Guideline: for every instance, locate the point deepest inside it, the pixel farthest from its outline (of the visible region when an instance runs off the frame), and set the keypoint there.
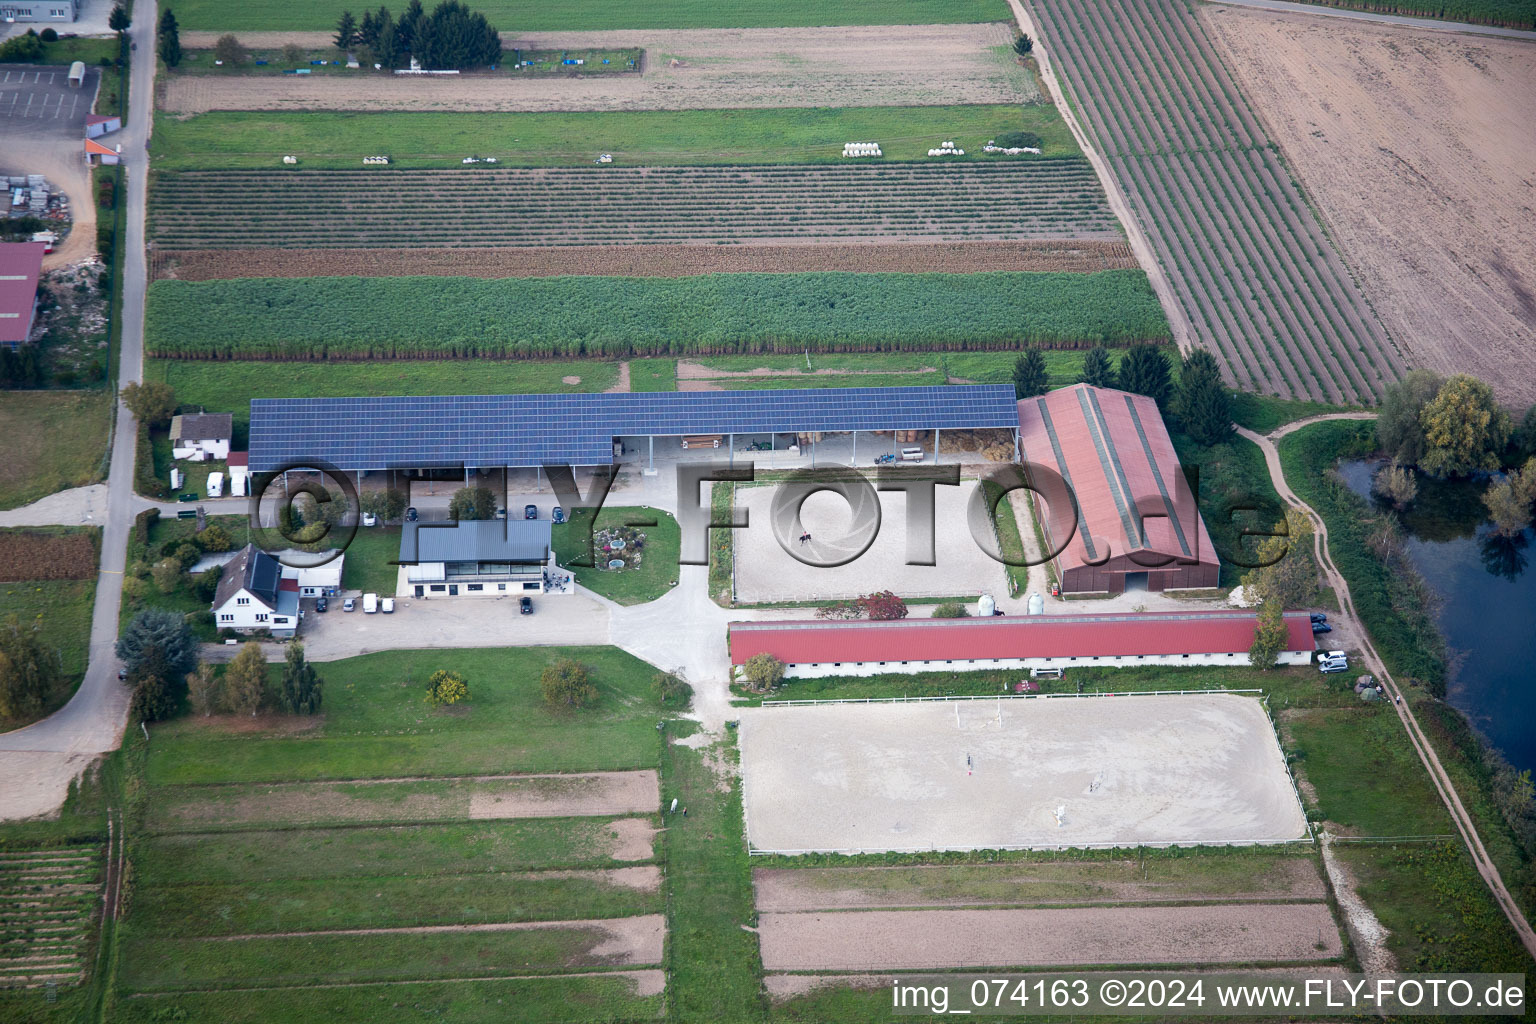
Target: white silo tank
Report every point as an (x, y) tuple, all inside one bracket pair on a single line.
[(1036, 603), (985, 607)]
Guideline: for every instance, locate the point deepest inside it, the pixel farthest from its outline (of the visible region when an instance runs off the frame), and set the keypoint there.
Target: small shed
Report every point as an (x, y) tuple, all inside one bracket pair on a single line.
[(97, 125), (96, 153), (77, 74)]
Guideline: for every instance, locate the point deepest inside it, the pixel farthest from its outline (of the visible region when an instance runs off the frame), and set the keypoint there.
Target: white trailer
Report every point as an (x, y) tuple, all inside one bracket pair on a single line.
[(215, 485)]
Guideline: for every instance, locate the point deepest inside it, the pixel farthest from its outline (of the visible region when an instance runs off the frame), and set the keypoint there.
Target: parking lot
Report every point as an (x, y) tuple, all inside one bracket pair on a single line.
[(39, 102)]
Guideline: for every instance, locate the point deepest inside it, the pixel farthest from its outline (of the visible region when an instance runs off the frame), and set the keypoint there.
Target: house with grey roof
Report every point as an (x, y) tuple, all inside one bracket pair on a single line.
[(200, 436), (489, 558), (253, 594)]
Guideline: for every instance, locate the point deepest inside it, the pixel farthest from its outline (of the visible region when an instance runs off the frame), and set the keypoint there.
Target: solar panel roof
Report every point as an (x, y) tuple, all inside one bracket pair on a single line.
[(532, 430)]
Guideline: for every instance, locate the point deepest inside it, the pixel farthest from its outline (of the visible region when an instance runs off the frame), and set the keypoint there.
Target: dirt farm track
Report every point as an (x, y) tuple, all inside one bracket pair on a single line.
[(1416, 146), (899, 65)]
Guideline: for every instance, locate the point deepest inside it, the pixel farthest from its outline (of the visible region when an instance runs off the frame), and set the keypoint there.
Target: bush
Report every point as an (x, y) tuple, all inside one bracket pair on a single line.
[(763, 672), (448, 688), (567, 685), (48, 35), (141, 524), (214, 538), (104, 240), (206, 585), (951, 610), (1018, 140), (671, 690), (22, 49)]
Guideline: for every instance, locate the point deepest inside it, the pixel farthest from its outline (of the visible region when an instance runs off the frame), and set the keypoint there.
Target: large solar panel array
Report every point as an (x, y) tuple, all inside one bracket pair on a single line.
[(484, 431)]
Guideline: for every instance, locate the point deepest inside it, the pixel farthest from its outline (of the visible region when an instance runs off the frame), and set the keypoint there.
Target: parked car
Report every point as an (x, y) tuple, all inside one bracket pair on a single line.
[(349, 605), (187, 497), (122, 674), (321, 604), (530, 511), (369, 519), (557, 514), (1332, 655), (410, 514), (1319, 628), (525, 605), (501, 513), (1319, 617), (387, 605), (370, 603), (1328, 668)]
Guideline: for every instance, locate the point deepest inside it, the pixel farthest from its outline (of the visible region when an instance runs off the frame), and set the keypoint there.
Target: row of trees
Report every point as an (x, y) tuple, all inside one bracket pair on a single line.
[(159, 654), (1200, 400), (31, 673), (452, 36)]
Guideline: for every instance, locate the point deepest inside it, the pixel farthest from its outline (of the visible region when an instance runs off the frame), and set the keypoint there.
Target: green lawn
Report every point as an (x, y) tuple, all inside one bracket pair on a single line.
[(224, 139), (1263, 413), (376, 724), (654, 576), (546, 63), (513, 16), (885, 368), (370, 559), (229, 386), (653, 374), (1367, 776), (83, 48), (53, 440), (62, 610)]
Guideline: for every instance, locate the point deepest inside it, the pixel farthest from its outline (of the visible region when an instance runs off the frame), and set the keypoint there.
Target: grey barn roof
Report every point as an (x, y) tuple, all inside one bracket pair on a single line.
[(524, 541), (483, 431)]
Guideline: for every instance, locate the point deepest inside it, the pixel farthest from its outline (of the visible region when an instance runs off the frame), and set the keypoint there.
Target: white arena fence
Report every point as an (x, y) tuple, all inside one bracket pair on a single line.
[(999, 696)]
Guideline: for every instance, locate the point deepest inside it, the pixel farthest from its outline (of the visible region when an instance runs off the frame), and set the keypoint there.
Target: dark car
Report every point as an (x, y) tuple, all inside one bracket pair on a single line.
[(1319, 628), (557, 514), (530, 511), (1319, 617), (525, 605), (410, 514), (322, 604), (187, 497)]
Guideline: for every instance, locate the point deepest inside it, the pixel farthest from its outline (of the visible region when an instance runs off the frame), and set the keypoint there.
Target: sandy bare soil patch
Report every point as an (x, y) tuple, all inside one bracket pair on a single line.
[(1031, 883), (1076, 256), (1124, 770), (924, 939), (631, 839), (484, 798), (788, 986), (1416, 146), (689, 370), (687, 69)]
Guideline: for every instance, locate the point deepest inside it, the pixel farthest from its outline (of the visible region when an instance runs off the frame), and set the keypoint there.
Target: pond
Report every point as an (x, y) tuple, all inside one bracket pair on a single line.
[(1487, 595)]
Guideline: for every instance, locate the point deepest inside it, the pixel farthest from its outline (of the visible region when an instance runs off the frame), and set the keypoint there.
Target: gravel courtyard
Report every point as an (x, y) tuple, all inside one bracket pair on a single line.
[(1128, 770), (765, 572)]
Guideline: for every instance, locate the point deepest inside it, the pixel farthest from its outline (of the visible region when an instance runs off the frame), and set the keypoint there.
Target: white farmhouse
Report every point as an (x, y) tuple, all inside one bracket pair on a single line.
[(201, 436), (253, 594)]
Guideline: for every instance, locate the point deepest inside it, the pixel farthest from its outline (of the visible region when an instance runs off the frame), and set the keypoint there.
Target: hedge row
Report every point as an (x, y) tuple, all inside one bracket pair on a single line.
[(439, 317)]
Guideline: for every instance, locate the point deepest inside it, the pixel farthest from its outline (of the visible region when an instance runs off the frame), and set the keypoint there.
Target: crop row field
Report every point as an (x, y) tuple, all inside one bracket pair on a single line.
[(604, 206), (349, 318), (328, 887), (1080, 255), (443, 138), (513, 16), (47, 901), (1249, 262)]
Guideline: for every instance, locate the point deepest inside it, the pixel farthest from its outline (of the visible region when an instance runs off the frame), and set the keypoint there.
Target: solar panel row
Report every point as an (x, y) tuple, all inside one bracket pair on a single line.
[(530, 430)]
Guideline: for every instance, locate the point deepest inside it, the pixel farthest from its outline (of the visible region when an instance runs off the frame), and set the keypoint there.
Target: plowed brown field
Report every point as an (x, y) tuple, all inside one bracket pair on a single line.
[(685, 69), (1076, 256), (1417, 147)]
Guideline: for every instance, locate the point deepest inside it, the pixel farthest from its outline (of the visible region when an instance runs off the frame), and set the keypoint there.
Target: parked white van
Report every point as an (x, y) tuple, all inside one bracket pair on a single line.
[(370, 603), (215, 485)]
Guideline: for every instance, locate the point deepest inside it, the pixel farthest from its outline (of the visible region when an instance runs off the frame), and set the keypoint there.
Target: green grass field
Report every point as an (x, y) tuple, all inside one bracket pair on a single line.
[(653, 577), (62, 610), (369, 564), (513, 16), (377, 724), (351, 318), (653, 375), (225, 139), (53, 440)]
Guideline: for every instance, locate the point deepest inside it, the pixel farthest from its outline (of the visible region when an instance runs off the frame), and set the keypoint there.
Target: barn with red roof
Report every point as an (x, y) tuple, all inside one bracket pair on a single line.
[(21, 264), (861, 648), (1138, 525)]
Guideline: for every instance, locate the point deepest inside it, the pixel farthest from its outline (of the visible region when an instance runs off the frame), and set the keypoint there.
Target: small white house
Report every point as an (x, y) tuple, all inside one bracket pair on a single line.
[(201, 436), (97, 125), (253, 594)]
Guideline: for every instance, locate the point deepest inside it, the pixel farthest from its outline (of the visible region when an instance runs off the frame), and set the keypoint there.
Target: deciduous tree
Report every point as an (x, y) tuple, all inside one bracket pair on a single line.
[(567, 685), (1269, 636), (151, 402), (1465, 429), (167, 575), (1509, 500), (470, 503), (1397, 484), (883, 605), (245, 680), (229, 50), (292, 54), (1290, 580), (30, 671), (157, 687), (204, 690), (763, 672), (1398, 430), (671, 690), (446, 687)]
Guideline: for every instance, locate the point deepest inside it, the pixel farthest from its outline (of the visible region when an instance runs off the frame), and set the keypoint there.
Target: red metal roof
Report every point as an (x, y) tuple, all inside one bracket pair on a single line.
[(289, 583), (1114, 450), (96, 148), (20, 265), (238, 459), (1035, 636)]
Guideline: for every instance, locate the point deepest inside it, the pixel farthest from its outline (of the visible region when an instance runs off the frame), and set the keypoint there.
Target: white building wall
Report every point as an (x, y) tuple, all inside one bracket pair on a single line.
[(819, 670), (243, 616)]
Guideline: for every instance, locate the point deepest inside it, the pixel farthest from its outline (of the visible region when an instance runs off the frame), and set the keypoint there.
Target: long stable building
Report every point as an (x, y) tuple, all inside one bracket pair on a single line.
[(819, 648), (520, 431), (1138, 526)]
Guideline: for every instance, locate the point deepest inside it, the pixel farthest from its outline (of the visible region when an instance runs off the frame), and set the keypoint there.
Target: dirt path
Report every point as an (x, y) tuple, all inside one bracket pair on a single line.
[(685, 69), (1431, 761), (622, 385), (1402, 136), (1183, 332), (626, 940), (1365, 929), (934, 939)]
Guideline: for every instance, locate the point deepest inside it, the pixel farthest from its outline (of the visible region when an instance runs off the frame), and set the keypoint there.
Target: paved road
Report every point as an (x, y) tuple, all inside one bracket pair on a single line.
[(46, 756), (1432, 24), (1426, 752)]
